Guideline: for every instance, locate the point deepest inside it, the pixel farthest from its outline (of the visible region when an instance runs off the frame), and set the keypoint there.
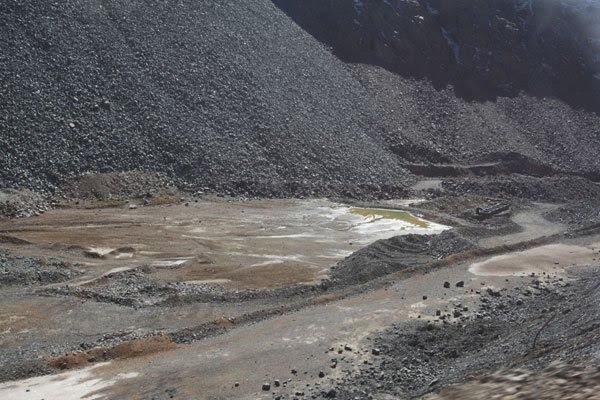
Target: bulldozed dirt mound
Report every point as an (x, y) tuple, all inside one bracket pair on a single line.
[(118, 186), (21, 203), (25, 271), (134, 348), (401, 252)]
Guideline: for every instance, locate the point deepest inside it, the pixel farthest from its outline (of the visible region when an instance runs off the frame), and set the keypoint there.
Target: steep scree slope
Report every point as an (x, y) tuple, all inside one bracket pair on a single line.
[(227, 95), (238, 98), (470, 81), (417, 116)]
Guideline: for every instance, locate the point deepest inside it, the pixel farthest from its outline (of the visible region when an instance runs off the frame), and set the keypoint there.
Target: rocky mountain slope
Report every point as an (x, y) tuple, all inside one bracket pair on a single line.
[(240, 99), (473, 81), (230, 96)]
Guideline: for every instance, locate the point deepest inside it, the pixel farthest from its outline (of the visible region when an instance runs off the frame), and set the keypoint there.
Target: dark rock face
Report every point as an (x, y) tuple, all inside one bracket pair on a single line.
[(399, 35), (485, 48)]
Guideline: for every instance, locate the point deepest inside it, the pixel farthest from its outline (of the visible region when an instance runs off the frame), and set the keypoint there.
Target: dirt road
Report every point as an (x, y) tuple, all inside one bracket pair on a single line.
[(306, 347), (269, 350)]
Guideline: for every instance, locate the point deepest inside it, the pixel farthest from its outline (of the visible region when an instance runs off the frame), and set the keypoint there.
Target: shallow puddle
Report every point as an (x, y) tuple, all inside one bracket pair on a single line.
[(378, 213)]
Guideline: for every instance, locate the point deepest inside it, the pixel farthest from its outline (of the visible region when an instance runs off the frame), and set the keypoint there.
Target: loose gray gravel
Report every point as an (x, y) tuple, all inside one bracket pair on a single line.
[(27, 271), (224, 95), (235, 98), (527, 327)]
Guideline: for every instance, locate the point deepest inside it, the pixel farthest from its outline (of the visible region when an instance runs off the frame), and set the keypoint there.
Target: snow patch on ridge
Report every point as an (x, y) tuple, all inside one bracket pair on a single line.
[(452, 43), (359, 6)]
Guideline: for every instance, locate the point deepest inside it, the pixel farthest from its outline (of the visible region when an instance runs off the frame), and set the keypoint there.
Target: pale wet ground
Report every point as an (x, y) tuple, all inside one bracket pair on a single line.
[(255, 244), (71, 385), (550, 259)]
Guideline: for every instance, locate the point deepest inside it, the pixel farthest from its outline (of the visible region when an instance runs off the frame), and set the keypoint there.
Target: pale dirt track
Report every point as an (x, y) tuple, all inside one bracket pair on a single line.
[(269, 350)]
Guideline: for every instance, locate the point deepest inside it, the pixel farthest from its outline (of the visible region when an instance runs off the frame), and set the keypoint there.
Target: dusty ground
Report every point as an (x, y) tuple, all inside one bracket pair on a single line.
[(268, 351), (220, 263), (152, 259), (255, 244)]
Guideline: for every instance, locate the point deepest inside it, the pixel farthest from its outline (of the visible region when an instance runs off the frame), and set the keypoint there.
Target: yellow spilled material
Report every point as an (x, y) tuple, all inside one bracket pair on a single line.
[(376, 213)]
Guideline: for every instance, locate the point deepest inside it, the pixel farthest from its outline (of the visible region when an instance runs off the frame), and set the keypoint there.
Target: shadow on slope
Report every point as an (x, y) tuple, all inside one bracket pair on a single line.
[(484, 49)]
